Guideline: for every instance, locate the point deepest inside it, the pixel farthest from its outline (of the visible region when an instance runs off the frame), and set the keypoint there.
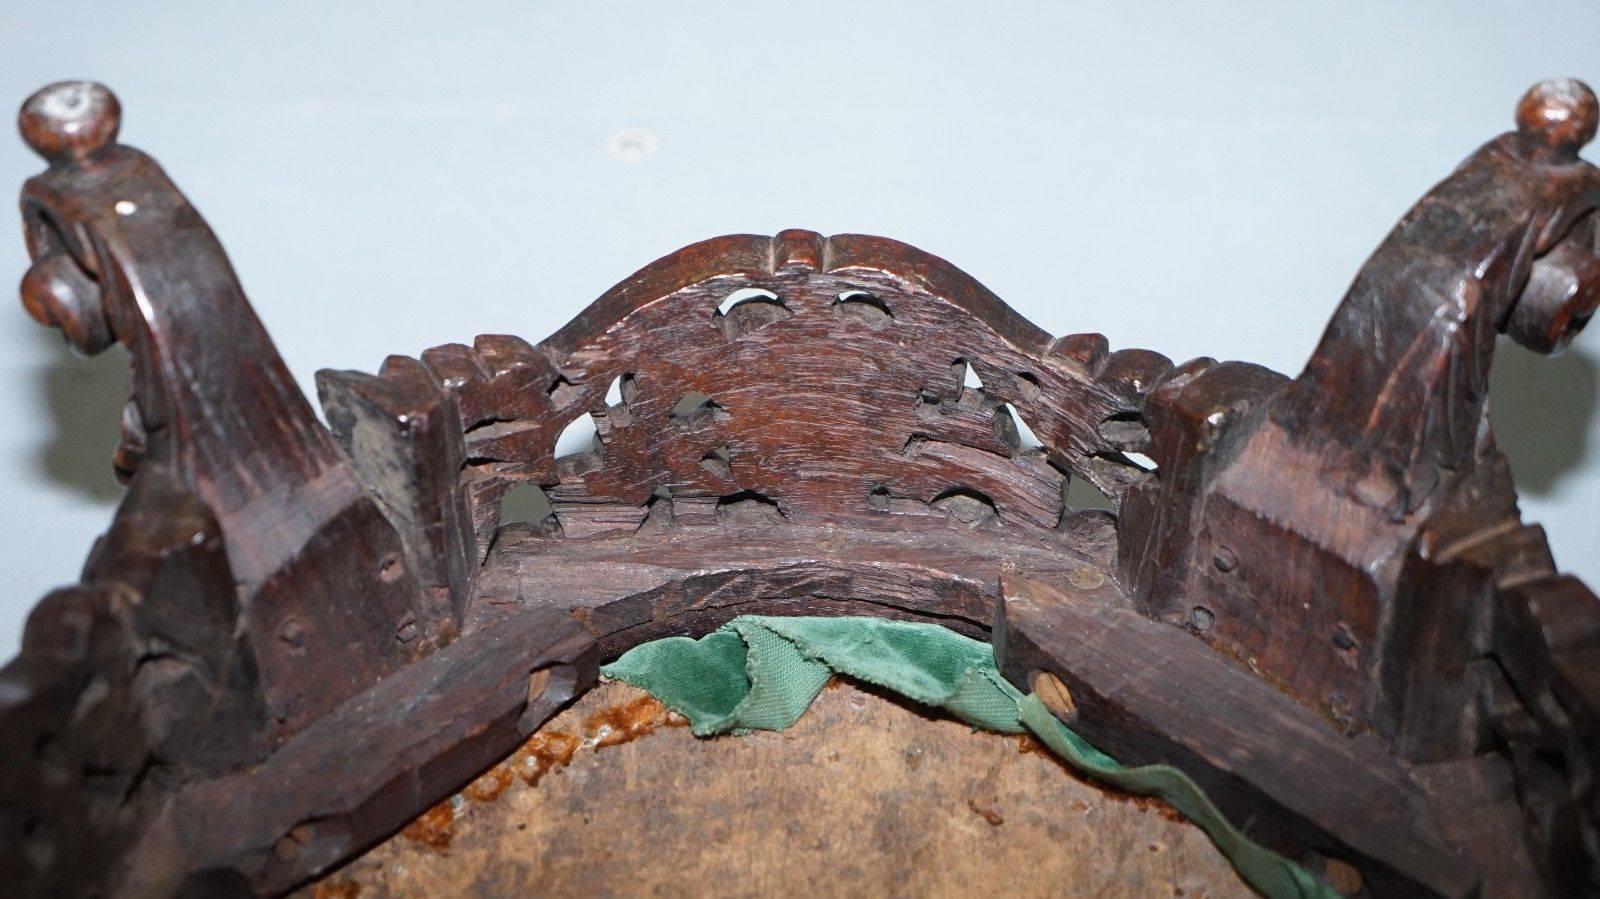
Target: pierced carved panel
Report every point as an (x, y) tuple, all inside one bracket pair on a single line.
[(795, 376)]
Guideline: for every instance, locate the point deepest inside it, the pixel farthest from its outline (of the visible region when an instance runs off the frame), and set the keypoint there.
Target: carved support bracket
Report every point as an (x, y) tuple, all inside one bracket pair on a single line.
[(249, 583), (1364, 501)]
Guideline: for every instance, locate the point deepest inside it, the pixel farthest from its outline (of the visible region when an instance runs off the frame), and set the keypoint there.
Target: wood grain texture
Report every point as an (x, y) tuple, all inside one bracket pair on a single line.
[(1322, 601), (1146, 693), (212, 622), (363, 770), (820, 376), (1365, 500)]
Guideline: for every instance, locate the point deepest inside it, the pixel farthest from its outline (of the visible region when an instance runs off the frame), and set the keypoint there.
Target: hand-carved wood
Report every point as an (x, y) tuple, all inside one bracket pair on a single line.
[(209, 625), (820, 377), (214, 408), (1365, 500), (1322, 603)]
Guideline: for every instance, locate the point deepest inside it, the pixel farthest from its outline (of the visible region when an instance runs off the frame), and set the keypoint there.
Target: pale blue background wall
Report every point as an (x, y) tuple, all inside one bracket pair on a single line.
[(1200, 179)]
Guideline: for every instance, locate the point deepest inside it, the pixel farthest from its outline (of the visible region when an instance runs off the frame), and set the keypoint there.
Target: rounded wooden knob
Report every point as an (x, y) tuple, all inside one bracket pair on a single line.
[(1561, 296), (70, 120), (1561, 112), (58, 294)]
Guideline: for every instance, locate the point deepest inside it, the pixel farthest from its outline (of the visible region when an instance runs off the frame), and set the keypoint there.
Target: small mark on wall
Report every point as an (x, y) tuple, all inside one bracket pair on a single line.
[(632, 145)]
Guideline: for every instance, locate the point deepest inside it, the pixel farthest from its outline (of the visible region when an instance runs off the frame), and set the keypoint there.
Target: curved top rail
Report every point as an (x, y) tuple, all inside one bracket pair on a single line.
[(821, 377)]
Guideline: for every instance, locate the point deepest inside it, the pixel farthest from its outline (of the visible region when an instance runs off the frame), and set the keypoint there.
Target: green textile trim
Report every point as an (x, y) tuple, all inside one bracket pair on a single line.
[(762, 673)]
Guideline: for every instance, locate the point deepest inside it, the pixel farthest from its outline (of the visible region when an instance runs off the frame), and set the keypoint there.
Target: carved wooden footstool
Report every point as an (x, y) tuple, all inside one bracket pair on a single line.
[(1314, 595)]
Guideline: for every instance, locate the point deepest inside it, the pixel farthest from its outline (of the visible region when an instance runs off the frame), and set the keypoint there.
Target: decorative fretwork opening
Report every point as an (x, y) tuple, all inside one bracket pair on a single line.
[(581, 435), (717, 462), (1026, 440), (563, 392), (864, 307), (878, 499), (972, 508), (965, 377), (1081, 495), (747, 310), (527, 503), (658, 513), (618, 411), (695, 406), (750, 507)]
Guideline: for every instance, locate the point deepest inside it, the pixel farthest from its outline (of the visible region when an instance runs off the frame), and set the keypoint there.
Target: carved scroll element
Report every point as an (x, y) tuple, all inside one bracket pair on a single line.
[(1353, 534), (248, 584)]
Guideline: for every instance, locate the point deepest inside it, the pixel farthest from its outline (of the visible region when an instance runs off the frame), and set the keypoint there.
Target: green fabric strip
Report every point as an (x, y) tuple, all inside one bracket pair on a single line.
[(762, 673)]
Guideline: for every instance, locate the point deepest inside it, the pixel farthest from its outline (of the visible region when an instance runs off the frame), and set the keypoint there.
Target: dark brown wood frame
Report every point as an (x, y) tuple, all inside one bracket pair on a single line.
[(1320, 602)]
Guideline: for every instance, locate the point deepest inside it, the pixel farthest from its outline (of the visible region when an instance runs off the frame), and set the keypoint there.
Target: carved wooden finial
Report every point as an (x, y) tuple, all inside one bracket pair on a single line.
[(1561, 112), (70, 120)]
